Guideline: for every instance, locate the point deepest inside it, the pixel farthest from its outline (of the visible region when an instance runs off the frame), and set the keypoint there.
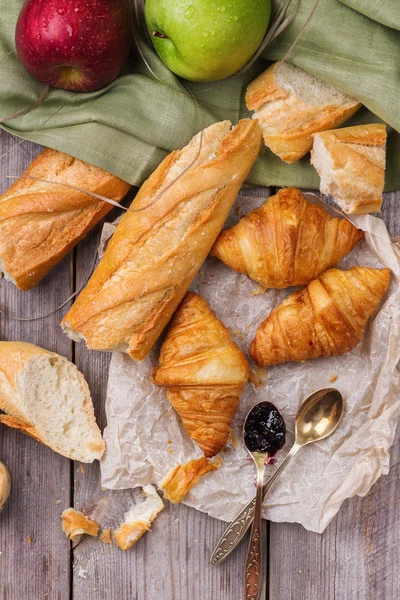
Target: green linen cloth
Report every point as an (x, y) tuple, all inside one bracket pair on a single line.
[(129, 126)]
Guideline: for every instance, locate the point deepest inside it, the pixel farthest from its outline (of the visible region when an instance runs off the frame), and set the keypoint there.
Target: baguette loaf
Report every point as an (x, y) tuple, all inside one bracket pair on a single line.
[(154, 255), (45, 396), (40, 223), (351, 165), (291, 105)]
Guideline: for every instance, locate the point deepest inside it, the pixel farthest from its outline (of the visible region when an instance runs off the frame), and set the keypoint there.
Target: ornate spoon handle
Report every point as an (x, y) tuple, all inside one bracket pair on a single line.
[(237, 528), (254, 561)]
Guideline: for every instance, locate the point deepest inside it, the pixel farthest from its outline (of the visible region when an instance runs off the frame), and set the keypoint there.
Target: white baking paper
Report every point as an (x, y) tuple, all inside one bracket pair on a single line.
[(144, 436)]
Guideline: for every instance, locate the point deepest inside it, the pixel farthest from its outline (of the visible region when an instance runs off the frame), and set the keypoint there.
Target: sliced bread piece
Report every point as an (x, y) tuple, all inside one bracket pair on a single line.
[(351, 165), (291, 105), (45, 396)]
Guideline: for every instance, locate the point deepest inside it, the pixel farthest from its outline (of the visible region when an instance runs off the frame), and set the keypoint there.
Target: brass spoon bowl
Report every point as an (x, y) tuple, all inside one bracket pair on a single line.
[(318, 417)]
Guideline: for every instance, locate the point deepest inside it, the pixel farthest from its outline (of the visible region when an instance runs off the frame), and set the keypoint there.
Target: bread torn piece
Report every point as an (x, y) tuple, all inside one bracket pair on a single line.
[(75, 525), (106, 536), (138, 520), (180, 479)]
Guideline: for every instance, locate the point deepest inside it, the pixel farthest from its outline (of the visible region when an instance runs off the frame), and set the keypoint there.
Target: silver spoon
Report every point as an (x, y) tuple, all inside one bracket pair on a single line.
[(264, 434), (318, 417)]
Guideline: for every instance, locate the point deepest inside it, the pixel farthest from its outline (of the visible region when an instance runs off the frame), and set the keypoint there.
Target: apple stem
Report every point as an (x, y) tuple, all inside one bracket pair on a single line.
[(159, 35)]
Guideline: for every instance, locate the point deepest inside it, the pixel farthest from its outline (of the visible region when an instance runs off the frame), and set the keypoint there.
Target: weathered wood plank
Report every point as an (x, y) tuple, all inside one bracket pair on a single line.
[(357, 556), (173, 560), (34, 554)]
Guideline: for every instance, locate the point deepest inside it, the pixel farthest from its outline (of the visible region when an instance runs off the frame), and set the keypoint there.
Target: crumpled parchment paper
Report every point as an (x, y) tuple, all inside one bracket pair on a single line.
[(144, 436)]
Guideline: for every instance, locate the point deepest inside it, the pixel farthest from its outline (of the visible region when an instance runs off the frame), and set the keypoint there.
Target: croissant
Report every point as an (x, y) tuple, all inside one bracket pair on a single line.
[(287, 241), (204, 372), (155, 253), (326, 318)]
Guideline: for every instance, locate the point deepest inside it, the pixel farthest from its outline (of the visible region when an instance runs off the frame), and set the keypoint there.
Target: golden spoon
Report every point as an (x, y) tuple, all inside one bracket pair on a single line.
[(318, 417)]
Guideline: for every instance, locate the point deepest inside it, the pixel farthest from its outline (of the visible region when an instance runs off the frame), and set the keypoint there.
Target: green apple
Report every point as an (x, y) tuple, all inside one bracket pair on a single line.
[(206, 40)]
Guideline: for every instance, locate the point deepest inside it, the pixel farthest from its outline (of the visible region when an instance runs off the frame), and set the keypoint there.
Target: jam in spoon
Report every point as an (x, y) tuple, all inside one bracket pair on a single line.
[(264, 434)]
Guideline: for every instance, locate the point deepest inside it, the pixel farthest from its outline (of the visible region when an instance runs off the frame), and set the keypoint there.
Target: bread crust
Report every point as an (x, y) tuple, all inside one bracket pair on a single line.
[(180, 479), (292, 139), (146, 271), (41, 223), (357, 174)]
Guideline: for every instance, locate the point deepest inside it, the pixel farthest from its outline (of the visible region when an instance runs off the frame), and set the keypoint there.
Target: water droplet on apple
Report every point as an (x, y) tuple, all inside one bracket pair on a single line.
[(51, 16), (212, 31), (222, 9), (205, 33), (38, 37), (189, 12), (61, 11), (69, 29), (235, 17)]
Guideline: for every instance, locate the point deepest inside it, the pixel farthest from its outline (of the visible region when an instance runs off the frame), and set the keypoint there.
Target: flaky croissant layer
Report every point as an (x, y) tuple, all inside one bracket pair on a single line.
[(287, 241), (204, 372), (326, 318)]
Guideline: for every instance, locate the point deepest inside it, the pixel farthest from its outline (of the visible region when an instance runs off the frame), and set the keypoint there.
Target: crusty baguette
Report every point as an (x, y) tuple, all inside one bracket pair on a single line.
[(351, 165), (40, 223), (45, 396), (291, 105), (154, 255)]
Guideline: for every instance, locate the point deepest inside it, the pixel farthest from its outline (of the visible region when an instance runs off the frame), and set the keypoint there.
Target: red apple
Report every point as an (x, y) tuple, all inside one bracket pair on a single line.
[(78, 45)]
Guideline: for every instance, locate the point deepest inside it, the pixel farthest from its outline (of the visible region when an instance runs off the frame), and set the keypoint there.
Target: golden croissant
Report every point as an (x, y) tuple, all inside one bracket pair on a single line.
[(204, 372), (326, 318), (287, 241)]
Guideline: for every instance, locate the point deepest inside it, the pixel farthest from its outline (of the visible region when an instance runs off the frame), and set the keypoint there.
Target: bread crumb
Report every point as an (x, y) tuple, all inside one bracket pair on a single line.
[(238, 334), (333, 377), (75, 525), (169, 442), (58, 501), (233, 439), (82, 573), (83, 469), (257, 375), (28, 539), (106, 536), (180, 479), (260, 289)]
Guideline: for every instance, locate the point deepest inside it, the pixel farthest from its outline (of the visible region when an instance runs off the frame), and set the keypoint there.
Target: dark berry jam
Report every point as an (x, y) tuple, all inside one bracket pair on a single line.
[(264, 430)]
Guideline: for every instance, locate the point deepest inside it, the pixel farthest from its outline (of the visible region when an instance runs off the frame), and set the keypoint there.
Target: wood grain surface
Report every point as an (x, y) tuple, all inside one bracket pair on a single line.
[(355, 559)]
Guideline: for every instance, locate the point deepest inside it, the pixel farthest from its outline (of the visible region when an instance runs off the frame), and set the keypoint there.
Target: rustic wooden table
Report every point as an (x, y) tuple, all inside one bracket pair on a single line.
[(357, 558)]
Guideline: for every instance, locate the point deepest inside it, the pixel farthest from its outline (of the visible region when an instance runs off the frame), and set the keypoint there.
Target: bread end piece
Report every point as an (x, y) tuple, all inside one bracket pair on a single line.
[(351, 165), (290, 105), (139, 519)]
